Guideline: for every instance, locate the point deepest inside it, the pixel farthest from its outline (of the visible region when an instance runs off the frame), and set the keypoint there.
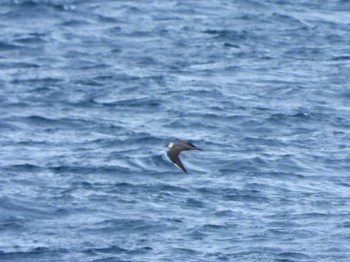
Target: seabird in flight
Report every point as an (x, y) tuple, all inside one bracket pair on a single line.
[(176, 148)]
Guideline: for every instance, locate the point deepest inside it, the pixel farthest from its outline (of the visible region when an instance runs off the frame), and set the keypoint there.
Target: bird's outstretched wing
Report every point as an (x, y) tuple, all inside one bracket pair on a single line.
[(187, 145), (174, 157)]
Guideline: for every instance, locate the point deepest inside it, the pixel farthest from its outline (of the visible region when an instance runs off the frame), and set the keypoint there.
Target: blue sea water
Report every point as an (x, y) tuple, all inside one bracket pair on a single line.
[(91, 91)]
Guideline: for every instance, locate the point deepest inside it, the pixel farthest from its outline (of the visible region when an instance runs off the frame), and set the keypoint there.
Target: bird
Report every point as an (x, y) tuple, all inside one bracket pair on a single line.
[(175, 148)]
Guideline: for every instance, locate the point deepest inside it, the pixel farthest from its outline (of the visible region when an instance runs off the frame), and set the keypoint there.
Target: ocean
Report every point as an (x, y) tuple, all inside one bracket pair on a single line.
[(92, 91)]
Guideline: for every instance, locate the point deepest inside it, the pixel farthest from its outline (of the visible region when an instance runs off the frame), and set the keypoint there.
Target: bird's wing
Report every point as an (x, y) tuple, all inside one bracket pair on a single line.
[(192, 146), (187, 145), (174, 157)]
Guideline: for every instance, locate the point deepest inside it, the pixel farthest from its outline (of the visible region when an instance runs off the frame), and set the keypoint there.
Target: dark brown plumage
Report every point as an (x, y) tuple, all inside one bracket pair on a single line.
[(175, 149)]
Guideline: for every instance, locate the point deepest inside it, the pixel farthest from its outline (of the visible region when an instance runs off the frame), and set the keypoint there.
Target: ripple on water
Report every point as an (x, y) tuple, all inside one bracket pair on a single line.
[(89, 99)]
